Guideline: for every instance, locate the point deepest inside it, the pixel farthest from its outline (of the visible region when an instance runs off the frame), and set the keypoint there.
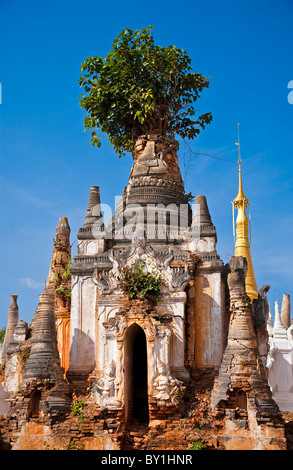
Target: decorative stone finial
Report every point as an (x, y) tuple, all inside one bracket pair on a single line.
[(94, 198), (63, 226), (93, 211), (203, 214)]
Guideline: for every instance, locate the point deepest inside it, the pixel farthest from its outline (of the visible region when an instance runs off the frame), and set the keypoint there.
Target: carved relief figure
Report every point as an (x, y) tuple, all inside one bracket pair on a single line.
[(165, 385), (104, 390)]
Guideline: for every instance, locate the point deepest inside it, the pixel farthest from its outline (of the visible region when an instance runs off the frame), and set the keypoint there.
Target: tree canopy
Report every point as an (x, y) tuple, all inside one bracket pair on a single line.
[(140, 88)]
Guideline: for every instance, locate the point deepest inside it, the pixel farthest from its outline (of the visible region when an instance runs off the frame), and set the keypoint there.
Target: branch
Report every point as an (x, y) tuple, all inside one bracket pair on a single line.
[(206, 154), (197, 154)]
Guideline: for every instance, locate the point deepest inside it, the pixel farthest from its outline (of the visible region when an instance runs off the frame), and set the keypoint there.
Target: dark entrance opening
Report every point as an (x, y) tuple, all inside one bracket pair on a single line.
[(34, 405), (241, 400), (136, 379)]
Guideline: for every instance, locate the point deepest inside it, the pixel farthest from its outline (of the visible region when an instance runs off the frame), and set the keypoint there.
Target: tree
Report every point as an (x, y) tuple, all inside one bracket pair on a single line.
[(139, 88), (2, 334)]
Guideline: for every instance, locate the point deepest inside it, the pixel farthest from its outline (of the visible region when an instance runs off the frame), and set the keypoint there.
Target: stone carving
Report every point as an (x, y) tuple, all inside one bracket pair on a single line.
[(236, 278), (165, 385), (180, 278), (102, 280), (164, 259), (158, 262), (104, 389), (156, 157)]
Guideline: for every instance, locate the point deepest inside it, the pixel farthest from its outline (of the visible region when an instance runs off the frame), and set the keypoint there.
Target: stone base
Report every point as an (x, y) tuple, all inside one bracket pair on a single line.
[(181, 374), (77, 377), (58, 403), (4, 407), (235, 442), (161, 411), (36, 436)]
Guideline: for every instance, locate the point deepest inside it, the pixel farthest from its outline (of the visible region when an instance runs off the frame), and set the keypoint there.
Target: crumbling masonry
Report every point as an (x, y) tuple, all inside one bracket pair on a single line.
[(93, 362)]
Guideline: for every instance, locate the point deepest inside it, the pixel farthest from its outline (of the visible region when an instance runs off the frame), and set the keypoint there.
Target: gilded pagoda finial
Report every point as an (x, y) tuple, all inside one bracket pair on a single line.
[(240, 198), (242, 245)]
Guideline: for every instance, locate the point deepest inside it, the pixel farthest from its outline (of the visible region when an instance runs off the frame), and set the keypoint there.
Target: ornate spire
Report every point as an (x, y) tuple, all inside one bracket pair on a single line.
[(61, 252), (63, 226), (202, 219), (279, 329), (240, 198), (93, 223), (242, 246)]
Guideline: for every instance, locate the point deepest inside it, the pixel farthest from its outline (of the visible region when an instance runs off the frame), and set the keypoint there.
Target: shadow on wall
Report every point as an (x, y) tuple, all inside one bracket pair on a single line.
[(4, 407), (82, 351), (211, 320), (280, 374)]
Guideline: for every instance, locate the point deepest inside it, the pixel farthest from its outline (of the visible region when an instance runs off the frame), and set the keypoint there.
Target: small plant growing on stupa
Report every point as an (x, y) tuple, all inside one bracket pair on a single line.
[(62, 281), (137, 283), (77, 410), (25, 355), (66, 272), (245, 299), (190, 198)]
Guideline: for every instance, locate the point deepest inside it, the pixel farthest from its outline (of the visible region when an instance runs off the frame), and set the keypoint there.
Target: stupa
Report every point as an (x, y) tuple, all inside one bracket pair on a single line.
[(112, 336)]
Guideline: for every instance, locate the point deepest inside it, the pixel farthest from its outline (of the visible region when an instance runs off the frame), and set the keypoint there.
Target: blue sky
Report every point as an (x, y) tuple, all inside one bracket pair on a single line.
[(48, 163)]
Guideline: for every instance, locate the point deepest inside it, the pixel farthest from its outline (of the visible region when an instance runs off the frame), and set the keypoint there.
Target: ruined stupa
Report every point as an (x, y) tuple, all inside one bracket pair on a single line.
[(136, 354), (248, 416), (171, 244)]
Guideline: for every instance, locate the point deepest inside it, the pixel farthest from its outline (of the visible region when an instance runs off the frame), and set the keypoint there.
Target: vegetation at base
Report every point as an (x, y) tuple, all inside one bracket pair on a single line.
[(197, 446), (77, 408), (140, 88)]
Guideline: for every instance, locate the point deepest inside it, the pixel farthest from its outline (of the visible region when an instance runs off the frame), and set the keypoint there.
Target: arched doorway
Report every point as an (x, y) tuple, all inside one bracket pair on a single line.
[(136, 377)]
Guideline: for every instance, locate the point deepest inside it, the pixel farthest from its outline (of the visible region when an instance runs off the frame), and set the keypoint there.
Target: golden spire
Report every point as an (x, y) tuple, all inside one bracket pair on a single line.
[(242, 246)]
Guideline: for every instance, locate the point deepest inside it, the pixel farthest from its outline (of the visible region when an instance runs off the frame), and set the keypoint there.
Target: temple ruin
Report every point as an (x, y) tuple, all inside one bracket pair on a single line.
[(130, 360)]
